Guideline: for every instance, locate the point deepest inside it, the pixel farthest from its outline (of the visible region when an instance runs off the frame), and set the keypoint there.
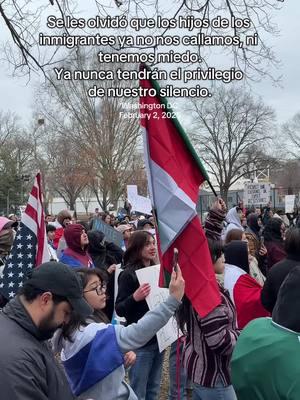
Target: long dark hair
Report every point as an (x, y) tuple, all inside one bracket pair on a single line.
[(76, 321), (272, 231), (136, 243)]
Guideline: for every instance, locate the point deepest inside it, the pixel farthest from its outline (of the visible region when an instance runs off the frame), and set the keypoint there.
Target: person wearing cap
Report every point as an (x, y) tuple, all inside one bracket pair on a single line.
[(50, 230), (126, 231), (29, 370), (76, 255), (145, 225)]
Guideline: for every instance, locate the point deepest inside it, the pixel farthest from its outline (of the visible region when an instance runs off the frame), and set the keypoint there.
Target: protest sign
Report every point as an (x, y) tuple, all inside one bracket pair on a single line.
[(169, 333), (138, 203), (111, 234), (289, 203), (256, 194), (116, 318)]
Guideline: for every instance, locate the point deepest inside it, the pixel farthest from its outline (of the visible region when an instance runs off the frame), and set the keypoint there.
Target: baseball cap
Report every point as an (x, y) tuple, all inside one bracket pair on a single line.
[(144, 222), (61, 280), (6, 223), (123, 228)]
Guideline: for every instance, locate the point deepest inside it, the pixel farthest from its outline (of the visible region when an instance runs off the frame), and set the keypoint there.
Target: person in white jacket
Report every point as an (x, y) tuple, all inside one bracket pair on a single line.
[(92, 351), (233, 219)]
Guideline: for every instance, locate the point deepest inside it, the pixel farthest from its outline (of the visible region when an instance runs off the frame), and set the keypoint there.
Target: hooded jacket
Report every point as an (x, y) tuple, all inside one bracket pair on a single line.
[(233, 221), (28, 367), (74, 255)]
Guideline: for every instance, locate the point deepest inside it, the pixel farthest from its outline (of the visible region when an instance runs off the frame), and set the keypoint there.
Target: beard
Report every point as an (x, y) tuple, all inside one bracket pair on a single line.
[(47, 326)]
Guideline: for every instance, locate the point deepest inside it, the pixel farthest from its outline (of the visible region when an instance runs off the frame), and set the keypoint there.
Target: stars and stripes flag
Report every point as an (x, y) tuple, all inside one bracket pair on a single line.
[(175, 174), (29, 249)]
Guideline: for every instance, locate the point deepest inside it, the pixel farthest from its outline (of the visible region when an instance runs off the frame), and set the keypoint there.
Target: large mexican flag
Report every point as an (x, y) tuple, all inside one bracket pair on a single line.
[(175, 174)]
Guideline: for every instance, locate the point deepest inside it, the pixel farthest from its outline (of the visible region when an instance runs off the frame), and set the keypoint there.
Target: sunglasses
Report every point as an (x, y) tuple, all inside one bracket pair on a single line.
[(99, 289)]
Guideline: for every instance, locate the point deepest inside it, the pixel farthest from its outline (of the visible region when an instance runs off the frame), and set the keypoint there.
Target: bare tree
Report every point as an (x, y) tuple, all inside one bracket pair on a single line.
[(97, 127), (85, 197), (23, 21), (231, 131), (287, 176), (292, 130), (68, 176)]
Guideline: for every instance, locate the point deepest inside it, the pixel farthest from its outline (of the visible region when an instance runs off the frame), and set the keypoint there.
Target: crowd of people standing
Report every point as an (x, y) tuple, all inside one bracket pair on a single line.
[(223, 355)]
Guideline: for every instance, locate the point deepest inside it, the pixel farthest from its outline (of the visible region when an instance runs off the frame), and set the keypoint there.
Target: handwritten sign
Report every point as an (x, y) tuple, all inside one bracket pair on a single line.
[(256, 194), (169, 333), (138, 203), (111, 234), (289, 203)]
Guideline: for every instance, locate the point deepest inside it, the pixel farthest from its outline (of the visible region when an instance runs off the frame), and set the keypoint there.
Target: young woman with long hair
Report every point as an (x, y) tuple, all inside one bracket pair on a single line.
[(92, 351), (145, 375)]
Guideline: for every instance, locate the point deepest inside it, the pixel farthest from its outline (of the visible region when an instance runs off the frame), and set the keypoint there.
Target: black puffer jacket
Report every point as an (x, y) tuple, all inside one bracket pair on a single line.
[(105, 254), (28, 368), (275, 277)]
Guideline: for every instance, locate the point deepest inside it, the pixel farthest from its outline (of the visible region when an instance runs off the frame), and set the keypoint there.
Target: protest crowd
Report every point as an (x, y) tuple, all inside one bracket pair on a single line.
[(70, 332)]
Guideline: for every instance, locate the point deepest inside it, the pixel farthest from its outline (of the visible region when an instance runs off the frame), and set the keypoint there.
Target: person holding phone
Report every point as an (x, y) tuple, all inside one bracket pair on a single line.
[(145, 375)]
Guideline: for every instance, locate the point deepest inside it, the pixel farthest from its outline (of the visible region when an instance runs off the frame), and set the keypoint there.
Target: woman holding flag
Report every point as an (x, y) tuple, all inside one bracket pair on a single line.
[(92, 351)]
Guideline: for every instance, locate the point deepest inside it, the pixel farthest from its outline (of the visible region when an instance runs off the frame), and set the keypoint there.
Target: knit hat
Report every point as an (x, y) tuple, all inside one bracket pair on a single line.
[(6, 223), (123, 228), (62, 215)]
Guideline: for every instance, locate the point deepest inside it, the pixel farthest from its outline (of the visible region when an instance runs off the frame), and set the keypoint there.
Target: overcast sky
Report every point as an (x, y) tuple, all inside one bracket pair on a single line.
[(17, 93)]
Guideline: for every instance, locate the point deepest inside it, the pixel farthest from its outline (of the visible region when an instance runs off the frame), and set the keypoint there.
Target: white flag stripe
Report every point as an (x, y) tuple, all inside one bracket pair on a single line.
[(231, 276), (28, 221)]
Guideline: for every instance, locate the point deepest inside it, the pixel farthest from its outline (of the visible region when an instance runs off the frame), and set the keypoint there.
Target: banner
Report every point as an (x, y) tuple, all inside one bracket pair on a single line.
[(257, 194), (289, 203), (111, 234), (138, 203)]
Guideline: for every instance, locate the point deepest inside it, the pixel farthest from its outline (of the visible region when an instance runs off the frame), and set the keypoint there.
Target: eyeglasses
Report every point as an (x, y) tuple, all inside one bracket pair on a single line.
[(99, 289)]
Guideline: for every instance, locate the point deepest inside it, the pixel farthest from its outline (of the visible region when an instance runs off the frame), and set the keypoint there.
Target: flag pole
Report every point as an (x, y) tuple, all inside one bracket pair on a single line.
[(212, 188)]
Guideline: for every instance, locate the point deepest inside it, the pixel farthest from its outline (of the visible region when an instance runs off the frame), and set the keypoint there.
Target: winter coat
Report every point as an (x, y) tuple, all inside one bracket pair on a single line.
[(105, 254), (275, 277), (28, 367), (125, 305)]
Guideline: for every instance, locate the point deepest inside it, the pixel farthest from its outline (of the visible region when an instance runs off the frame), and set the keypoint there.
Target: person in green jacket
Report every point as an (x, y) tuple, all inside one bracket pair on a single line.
[(265, 363)]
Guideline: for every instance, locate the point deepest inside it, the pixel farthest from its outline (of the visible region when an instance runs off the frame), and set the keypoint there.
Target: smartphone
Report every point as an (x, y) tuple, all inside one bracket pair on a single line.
[(175, 259), (262, 240)]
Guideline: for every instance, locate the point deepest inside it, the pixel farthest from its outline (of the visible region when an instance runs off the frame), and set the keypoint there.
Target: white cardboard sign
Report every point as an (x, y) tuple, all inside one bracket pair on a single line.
[(169, 333), (289, 203), (138, 203), (256, 194)]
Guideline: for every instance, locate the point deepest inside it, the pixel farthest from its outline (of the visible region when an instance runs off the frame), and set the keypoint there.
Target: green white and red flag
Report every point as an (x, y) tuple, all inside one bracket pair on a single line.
[(175, 174)]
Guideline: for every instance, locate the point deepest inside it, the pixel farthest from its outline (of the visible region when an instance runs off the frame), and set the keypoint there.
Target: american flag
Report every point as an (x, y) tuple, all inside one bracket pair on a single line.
[(30, 245)]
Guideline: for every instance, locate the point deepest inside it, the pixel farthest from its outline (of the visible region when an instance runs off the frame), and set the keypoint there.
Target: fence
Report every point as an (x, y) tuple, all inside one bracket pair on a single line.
[(277, 199)]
